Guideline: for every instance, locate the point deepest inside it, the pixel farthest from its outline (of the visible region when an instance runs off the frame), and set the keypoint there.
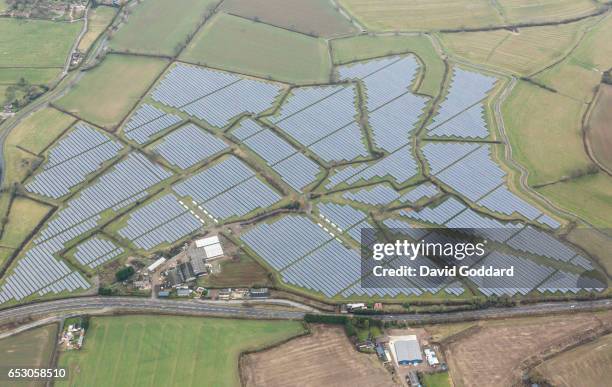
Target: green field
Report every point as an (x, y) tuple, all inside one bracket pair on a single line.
[(313, 17), (162, 351), (35, 43), (99, 18), (371, 46), (590, 197), (523, 53), (38, 130), (580, 73), (107, 93), (421, 15), (160, 26), (544, 131), (440, 379), (10, 76), (32, 348), (24, 215), (240, 45), (529, 11)]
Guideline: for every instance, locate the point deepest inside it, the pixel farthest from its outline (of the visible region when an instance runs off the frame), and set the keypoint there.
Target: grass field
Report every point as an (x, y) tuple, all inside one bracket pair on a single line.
[(107, 93), (370, 46), (441, 379), (24, 215), (544, 131), (248, 47), (99, 18), (160, 26), (313, 17), (18, 164), (422, 14), (524, 53), (35, 43), (590, 197), (32, 348), (10, 76), (186, 351), (586, 365), (600, 127), (527, 11), (38, 130), (324, 358), (580, 73)]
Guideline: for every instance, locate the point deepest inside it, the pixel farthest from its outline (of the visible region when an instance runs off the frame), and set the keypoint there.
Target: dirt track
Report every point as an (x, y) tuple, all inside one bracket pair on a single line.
[(324, 358)]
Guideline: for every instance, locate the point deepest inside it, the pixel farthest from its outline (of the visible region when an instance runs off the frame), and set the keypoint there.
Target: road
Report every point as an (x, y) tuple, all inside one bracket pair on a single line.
[(141, 305), (98, 305), (490, 313)]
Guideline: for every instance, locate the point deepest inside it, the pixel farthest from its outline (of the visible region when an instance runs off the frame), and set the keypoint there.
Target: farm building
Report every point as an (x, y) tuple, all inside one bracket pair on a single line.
[(156, 264), (260, 293), (407, 351), (181, 274)]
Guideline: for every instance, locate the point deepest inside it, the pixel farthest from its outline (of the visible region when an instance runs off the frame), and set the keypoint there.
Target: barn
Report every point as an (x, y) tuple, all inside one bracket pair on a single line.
[(408, 351)]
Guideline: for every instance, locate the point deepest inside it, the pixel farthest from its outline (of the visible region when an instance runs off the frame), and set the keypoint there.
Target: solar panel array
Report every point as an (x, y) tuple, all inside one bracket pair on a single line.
[(399, 165), (527, 275), (425, 190), (213, 96), (285, 240), (80, 153), (377, 195), (298, 171), (320, 119), (393, 123), (383, 79), (548, 221), (293, 167), (328, 269), (148, 121), (343, 174), (466, 89), (302, 97), (226, 189), (128, 178), (470, 170), (345, 144), (439, 214), (340, 216), (189, 145), (564, 282), (538, 242), (164, 220), (470, 123), (96, 251)]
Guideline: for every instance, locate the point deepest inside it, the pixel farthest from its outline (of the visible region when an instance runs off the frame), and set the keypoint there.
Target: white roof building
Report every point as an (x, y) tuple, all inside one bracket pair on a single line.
[(156, 264)]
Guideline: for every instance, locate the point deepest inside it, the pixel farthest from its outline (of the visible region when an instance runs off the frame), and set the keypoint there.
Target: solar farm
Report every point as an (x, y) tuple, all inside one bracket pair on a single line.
[(210, 148)]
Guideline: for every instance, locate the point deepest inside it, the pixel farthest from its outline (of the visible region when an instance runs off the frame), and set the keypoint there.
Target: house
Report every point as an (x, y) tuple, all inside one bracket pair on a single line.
[(163, 294)]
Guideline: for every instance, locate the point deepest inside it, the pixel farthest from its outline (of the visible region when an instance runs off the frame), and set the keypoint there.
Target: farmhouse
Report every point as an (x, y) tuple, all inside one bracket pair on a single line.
[(407, 350)]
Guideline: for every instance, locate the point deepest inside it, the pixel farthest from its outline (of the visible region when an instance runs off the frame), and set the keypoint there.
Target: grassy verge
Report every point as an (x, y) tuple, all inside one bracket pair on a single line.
[(168, 350), (258, 49), (440, 379)]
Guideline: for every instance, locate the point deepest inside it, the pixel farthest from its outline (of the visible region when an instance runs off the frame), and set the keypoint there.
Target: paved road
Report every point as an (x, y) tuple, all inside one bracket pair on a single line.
[(146, 305)]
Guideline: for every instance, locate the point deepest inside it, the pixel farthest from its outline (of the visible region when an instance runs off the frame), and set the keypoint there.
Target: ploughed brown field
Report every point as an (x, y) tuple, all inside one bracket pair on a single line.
[(600, 127), (323, 358), (492, 354)]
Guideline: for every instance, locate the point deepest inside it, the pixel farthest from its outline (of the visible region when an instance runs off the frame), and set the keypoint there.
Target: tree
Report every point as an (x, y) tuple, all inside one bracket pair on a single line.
[(124, 273)]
